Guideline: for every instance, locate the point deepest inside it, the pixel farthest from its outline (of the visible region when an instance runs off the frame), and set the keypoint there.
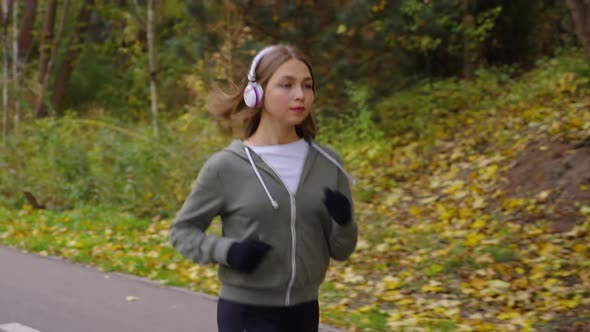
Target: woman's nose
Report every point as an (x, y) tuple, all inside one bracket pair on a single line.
[(299, 92)]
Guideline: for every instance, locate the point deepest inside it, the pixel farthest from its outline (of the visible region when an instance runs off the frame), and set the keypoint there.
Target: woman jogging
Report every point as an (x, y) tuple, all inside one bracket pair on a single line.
[(284, 202)]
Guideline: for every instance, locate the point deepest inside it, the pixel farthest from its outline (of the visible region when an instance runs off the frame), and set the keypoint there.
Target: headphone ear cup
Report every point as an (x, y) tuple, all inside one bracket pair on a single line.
[(253, 94)]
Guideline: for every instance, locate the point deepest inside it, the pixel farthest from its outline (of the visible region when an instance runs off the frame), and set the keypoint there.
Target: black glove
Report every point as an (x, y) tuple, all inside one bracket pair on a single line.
[(338, 206), (245, 256)]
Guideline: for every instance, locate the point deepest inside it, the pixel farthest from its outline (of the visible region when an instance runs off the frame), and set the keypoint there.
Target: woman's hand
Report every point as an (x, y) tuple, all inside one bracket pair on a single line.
[(246, 255), (338, 206)]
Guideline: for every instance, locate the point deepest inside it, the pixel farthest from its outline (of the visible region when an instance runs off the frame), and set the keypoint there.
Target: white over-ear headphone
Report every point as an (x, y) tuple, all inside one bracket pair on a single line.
[(253, 92)]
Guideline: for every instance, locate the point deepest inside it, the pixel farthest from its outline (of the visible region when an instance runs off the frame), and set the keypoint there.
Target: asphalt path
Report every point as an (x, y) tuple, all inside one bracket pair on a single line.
[(46, 294)]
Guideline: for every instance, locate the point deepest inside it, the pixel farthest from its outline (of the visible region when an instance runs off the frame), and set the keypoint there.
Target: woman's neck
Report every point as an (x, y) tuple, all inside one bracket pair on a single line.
[(272, 135)]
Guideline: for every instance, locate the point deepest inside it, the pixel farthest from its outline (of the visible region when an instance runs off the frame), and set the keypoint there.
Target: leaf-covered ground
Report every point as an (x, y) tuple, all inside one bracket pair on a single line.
[(486, 227), (486, 230)]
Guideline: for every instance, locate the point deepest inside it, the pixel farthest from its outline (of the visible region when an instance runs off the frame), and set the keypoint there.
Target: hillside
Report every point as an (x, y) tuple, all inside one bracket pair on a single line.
[(483, 225)]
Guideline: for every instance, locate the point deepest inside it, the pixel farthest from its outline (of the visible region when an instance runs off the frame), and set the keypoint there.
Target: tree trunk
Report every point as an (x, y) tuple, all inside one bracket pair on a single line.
[(56, 42), (468, 48), (580, 10), (44, 56), (25, 35), (5, 15), (73, 50), (153, 89), (15, 65)]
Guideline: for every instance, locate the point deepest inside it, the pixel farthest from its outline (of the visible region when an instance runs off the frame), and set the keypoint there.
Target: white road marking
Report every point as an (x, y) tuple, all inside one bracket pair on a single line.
[(16, 327)]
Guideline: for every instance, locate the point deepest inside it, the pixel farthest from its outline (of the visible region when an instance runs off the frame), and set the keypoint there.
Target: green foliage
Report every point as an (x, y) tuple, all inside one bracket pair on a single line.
[(355, 125), (355, 130), (76, 161), (421, 112), (525, 30), (94, 80), (384, 45), (500, 254), (123, 89)]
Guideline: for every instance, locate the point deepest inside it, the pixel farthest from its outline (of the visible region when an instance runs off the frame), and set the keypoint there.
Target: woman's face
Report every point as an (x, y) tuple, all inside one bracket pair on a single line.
[(288, 95)]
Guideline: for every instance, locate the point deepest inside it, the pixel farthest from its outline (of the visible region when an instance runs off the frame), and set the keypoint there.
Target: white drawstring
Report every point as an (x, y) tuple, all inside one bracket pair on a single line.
[(274, 203), (335, 162)]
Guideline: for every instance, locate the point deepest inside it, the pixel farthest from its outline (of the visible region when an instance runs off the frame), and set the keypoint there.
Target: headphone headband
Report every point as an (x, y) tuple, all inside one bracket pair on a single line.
[(257, 58)]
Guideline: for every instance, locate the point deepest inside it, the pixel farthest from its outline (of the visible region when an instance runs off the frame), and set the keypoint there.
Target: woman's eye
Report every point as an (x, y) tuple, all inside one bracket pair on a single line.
[(286, 85), (308, 86)]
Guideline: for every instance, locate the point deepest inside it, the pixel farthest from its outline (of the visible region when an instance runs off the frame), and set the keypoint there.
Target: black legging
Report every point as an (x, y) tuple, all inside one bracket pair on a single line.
[(238, 317)]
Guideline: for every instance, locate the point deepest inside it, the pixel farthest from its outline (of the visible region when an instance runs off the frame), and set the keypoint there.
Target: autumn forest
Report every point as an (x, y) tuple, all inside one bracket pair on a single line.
[(466, 123)]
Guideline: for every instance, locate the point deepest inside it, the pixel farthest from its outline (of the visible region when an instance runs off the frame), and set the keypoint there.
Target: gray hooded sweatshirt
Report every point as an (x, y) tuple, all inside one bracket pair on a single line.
[(254, 202)]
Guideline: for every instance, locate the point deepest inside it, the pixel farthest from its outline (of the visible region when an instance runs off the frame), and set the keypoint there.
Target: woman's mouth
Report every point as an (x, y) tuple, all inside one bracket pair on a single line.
[(297, 109)]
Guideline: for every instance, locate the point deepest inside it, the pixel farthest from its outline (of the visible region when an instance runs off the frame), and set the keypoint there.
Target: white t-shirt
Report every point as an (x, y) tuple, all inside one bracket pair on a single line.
[(285, 159)]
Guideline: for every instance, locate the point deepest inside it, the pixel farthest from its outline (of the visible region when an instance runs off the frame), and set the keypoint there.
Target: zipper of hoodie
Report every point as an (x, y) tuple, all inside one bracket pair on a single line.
[(293, 234), (293, 248)]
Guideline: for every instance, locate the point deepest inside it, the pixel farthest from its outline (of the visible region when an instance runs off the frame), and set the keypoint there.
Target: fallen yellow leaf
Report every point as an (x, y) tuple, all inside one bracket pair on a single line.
[(498, 284), (543, 195), (433, 287), (580, 248), (415, 211)]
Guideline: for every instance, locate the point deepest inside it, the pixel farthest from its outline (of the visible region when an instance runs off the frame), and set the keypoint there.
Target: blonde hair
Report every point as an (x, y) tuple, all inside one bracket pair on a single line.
[(231, 110)]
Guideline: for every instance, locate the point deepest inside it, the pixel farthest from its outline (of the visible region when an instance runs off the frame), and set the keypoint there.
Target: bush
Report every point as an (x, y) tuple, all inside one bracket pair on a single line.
[(75, 162)]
